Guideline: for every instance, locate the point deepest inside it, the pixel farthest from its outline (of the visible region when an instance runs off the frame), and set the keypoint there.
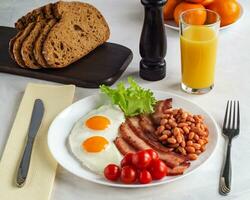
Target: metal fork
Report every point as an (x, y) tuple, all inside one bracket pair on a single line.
[(231, 128)]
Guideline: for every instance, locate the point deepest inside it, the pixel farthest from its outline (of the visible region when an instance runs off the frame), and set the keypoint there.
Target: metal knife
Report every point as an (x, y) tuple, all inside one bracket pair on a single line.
[(36, 119)]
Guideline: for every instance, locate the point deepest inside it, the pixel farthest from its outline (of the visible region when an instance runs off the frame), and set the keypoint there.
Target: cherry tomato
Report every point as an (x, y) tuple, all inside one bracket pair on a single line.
[(127, 160), (145, 176), (128, 174), (158, 169), (154, 155), (112, 172), (141, 159)]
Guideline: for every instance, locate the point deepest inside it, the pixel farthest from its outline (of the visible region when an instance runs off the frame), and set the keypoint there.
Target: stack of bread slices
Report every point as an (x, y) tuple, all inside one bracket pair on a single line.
[(56, 35)]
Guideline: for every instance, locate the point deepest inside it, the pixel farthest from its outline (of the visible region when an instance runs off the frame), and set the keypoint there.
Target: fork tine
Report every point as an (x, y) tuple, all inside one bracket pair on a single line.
[(234, 115), (225, 118), (230, 112), (238, 115)]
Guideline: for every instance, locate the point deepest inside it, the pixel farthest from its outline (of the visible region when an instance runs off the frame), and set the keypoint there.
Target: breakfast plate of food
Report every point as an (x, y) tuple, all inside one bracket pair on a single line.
[(132, 137)]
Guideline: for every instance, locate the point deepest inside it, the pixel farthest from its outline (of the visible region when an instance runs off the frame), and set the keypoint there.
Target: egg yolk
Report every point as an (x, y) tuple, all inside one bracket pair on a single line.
[(98, 123), (94, 144)]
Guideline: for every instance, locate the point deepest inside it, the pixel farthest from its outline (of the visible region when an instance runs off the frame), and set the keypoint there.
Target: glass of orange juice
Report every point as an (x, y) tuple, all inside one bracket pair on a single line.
[(198, 39)]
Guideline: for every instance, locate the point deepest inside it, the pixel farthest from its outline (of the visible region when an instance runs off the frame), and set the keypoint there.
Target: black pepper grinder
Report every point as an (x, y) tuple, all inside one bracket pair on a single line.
[(153, 42)]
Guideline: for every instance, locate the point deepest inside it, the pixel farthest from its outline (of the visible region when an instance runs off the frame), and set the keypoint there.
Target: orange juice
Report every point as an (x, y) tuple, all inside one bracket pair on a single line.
[(198, 56)]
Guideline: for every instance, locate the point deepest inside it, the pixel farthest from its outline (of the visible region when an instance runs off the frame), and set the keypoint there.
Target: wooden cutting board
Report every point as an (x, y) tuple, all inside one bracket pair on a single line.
[(104, 65)]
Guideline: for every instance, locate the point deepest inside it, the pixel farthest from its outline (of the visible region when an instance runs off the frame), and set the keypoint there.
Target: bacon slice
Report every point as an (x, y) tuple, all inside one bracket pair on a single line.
[(179, 170), (123, 146), (149, 138), (171, 159), (131, 138), (163, 105), (147, 124), (159, 110)]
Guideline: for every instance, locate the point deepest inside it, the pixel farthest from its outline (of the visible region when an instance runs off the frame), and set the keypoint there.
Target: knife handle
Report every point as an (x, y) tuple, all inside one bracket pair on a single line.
[(25, 163)]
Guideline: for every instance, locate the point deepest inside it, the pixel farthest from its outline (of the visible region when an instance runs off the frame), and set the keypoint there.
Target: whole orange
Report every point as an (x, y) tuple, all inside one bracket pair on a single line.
[(168, 10), (229, 10), (197, 18)]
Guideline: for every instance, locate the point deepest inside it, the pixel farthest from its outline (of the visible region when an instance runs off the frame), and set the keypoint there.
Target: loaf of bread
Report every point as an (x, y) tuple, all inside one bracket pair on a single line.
[(56, 35)]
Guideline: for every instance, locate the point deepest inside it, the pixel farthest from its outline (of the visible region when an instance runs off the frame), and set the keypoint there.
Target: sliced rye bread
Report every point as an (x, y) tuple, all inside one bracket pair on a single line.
[(11, 44), (28, 46), (39, 43), (81, 29), (44, 12), (18, 44)]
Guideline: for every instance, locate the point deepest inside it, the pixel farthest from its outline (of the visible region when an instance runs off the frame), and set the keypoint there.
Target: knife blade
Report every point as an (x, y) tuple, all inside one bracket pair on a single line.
[(36, 119)]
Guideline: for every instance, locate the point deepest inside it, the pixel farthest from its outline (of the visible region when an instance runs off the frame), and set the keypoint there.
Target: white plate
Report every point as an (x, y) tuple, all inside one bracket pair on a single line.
[(172, 25), (63, 123)]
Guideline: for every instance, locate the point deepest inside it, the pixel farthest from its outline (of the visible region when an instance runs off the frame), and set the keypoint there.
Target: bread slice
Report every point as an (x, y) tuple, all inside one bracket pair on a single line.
[(11, 44), (28, 46), (44, 12), (17, 45), (48, 11), (81, 29), (39, 43)]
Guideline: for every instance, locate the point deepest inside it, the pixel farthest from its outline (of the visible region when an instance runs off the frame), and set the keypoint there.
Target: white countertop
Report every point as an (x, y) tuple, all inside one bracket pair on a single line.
[(232, 82)]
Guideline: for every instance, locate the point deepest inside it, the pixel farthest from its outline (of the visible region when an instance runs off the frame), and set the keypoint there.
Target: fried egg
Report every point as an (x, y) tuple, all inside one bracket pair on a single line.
[(91, 139)]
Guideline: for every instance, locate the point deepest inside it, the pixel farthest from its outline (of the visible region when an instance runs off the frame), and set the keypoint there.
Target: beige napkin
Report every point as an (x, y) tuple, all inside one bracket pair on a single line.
[(42, 170)]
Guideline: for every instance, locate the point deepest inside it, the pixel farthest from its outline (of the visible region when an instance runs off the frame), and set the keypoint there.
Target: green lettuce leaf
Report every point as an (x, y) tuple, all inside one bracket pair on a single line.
[(133, 100)]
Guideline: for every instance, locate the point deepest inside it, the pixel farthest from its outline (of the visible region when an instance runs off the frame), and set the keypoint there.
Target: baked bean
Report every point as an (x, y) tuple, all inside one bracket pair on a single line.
[(160, 129), (185, 129), (190, 118), (172, 123), (202, 127), (192, 156), (163, 137), (201, 117), (171, 140), (167, 132), (196, 146), (182, 124), (198, 152), (176, 131), (183, 143), (182, 132), (196, 137), (163, 121), (201, 142), (198, 125), (191, 135), (179, 138), (184, 115), (201, 133), (167, 126), (182, 151), (203, 148), (197, 119), (195, 129), (190, 149), (189, 143)]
